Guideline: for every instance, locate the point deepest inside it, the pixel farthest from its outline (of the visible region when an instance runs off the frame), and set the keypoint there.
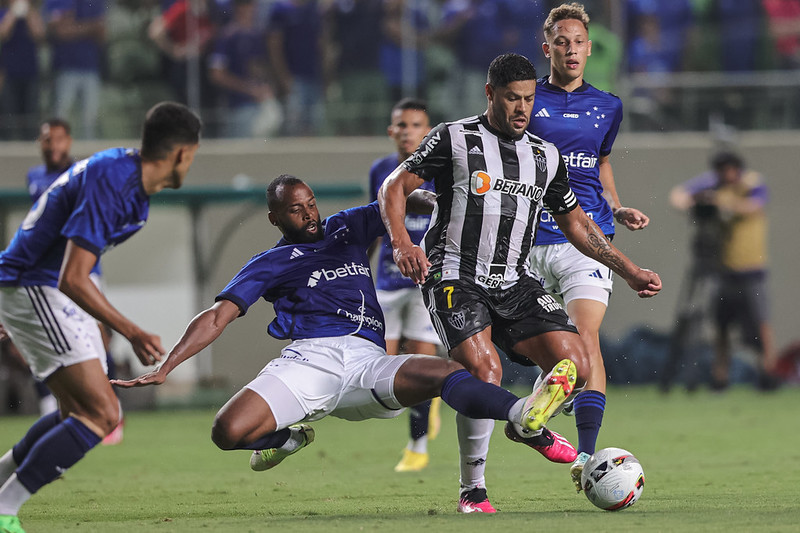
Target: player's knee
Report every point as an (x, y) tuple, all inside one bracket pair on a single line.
[(105, 417), (224, 433)]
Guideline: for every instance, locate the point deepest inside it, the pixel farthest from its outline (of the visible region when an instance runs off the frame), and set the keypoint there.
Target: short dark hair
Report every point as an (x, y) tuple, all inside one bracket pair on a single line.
[(56, 122), (167, 124), (284, 180), (726, 159), (410, 103), (508, 68)]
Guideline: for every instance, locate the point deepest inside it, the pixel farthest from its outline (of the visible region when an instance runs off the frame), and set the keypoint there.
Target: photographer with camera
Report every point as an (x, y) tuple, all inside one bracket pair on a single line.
[(726, 282)]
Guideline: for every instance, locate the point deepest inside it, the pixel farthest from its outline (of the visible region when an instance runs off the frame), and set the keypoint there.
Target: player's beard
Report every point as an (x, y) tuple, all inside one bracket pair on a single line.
[(303, 235)]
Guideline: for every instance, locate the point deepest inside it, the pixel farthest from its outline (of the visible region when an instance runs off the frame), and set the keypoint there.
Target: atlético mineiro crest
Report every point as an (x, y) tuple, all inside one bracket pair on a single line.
[(457, 320)]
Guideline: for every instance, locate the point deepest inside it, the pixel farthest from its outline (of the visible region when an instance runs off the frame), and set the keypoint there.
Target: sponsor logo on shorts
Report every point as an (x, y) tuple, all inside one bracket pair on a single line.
[(548, 303), (344, 271), (457, 320)]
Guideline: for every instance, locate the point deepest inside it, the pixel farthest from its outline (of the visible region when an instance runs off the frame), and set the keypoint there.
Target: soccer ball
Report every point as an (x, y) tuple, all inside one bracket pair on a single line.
[(612, 479)]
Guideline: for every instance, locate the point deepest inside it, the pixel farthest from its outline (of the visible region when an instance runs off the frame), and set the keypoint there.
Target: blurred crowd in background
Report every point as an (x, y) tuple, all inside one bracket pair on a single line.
[(261, 68)]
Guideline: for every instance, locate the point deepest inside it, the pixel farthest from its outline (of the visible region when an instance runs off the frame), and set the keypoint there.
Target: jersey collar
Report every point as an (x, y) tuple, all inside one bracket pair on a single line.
[(545, 81)]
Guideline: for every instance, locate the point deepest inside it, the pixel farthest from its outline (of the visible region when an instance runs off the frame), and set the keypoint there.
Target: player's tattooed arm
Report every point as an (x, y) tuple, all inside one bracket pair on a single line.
[(587, 237), (605, 252)]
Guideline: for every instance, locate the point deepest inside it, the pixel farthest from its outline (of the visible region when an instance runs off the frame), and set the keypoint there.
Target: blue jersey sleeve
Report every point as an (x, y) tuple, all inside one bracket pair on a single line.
[(96, 212), (613, 130), (251, 283), (364, 222)]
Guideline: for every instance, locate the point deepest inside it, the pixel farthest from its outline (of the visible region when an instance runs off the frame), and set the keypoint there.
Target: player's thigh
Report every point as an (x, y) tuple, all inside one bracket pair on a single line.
[(304, 383), (368, 389), (49, 330), (547, 349)]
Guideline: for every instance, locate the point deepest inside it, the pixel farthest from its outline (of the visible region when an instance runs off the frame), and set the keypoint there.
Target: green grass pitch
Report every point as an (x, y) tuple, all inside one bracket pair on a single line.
[(712, 462)]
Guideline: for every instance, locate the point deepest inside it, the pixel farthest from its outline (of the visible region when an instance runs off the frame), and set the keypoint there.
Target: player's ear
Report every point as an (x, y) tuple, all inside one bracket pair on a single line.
[(272, 219), (489, 92), (589, 51), (546, 49)]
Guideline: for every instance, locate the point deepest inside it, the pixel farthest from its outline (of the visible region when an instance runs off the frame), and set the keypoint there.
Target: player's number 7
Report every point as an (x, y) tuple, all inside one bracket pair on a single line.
[(449, 292)]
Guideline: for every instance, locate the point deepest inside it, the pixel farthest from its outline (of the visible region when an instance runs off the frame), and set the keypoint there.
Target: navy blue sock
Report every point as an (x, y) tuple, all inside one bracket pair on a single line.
[(271, 440), (589, 407), (35, 432), (476, 399), (41, 389), (56, 451), (419, 419)]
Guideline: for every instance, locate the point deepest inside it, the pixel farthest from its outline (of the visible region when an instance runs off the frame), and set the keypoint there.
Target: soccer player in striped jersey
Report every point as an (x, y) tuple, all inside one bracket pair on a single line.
[(582, 122), (318, 279), (492, 180), (50, 306), (407, 322)]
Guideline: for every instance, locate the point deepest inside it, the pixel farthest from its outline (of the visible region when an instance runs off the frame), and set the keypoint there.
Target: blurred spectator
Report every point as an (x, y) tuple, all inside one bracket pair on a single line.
[(740, 33), (674, 20), (783, 17), (525, 36), (184, 33), (238, 66), (296, 55), (405, 36), (55, 143), (732, 198), (354, 28), (77, 32), (478, 31), (650, 53), (21, 31)]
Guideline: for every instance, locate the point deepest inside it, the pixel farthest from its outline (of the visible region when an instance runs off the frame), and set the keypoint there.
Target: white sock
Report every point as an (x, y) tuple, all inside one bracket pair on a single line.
[(12, 495), (7, 466), (295, 440), (515, 414), (473, 447), (418, 446)]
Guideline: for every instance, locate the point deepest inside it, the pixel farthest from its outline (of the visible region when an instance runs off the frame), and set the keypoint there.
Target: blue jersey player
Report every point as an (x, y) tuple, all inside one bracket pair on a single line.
[(582, 122), (50, 307), (407, 322), (318, 280)]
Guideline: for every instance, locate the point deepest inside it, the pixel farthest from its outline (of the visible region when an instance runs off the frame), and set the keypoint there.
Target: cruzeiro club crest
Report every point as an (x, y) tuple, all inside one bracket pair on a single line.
[(457, 320)]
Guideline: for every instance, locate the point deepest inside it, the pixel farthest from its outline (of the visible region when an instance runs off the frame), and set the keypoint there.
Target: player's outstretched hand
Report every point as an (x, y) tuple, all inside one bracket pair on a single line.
[(412, 262), (155, 377), (633, 219), (646, 283), (147, 347)]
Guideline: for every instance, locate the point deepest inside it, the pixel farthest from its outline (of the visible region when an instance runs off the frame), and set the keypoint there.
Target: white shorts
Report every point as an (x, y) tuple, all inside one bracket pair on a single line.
[(346, 377), (50, 330), (406, 317), (564, 270)]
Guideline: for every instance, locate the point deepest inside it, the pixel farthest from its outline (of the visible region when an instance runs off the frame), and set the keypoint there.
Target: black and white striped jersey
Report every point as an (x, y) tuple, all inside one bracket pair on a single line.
[(490, 192)]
